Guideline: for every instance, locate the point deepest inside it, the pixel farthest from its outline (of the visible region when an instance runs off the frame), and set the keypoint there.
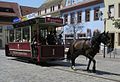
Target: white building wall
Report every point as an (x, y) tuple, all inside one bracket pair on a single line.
[(92, 24), (48, 10), (56, 7)]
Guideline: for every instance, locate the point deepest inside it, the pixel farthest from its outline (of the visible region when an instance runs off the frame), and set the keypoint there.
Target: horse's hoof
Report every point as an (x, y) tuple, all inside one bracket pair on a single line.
[(73, 67), (94, 71), (89, 71)]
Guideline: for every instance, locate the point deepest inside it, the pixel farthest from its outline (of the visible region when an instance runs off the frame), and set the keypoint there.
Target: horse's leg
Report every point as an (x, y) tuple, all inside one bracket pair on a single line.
[(88, 64), (94, 65), (73, 63), (74, 56), (91, 58)]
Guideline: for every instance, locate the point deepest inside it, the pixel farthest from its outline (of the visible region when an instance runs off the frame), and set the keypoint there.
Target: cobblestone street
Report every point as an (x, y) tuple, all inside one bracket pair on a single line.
[(14, 70)]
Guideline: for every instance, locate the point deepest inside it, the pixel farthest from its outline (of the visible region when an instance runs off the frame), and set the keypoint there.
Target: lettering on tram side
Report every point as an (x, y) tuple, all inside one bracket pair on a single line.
[(54, 20), (20, 53)]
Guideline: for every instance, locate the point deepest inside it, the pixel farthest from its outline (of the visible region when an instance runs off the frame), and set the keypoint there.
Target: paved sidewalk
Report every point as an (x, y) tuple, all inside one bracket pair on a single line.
[(15, 70)]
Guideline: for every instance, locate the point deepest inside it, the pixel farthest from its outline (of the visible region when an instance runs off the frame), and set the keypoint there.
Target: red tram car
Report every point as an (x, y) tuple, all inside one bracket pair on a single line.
[(22, 42)]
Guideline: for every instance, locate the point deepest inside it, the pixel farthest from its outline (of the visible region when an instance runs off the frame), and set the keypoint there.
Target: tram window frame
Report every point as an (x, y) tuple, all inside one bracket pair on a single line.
[(11, 36), (18, 38), (43, 33), (26, 38)]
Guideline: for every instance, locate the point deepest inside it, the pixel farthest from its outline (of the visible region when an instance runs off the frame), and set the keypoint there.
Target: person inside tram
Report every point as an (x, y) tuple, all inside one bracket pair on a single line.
[(34, 43), (51, 38), (34, 38), (42, 40), (60, 41)]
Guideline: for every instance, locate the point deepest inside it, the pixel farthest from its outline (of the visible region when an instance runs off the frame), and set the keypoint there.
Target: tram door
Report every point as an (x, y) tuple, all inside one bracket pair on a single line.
[(51, 50), (34, 40)]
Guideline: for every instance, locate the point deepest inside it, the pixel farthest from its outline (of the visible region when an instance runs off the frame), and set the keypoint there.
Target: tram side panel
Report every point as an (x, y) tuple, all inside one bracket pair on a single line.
[(20, 49), (44, 52), (49, 52)]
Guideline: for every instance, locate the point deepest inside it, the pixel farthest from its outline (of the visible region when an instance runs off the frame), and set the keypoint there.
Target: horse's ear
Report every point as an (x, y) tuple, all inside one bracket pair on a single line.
[(104, 32), (107, 32)]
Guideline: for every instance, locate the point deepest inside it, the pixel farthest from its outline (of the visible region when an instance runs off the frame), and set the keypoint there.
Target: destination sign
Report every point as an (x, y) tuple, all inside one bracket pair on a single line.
[(54, 20)]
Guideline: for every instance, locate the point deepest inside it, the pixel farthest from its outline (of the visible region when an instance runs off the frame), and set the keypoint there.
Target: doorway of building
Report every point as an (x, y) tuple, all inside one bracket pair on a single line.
[(0, 43), (112, 36)]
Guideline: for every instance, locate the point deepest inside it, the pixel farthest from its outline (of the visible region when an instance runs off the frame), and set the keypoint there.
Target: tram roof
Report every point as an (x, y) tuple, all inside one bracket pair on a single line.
[(47, 21)]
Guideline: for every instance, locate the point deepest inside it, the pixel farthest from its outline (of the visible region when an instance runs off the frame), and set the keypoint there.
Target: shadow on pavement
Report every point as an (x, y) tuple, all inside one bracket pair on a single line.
[(48, 63), (99, 72)]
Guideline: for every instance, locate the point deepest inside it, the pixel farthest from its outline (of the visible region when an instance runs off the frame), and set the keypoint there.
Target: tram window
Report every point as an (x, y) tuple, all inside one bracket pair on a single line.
[(43, 33), (11, 35), (18, 35), (26, 34)]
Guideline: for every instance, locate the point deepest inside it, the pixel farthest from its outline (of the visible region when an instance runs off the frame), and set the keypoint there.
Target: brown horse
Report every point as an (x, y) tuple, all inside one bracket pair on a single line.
[(88, 48)]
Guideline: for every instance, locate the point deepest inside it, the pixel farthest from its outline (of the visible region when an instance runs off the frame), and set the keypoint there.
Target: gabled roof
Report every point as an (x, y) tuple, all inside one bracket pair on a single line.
[(27, 10), (85, 3), (11, 5), (50, 3)]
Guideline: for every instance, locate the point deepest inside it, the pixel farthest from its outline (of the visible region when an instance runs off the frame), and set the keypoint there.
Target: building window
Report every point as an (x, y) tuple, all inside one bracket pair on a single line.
[(53, 8), (81, 35), (72, 18), (65, 18), (39, 12), (0, 43), (45, 10), (69, 2), (119, 10), (111, 11), (79, 16), (6, 19), (73, 1), (0, 29), (9, 10), (89, 33), (87, 15), (119, 39), (96, 13), (58, 6)]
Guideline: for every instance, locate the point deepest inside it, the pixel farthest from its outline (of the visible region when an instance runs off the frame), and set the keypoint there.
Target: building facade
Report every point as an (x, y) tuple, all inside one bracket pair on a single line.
[(51, 8), (112, 11), (25, 10), (8, 12), (83, 18), (72, 2)]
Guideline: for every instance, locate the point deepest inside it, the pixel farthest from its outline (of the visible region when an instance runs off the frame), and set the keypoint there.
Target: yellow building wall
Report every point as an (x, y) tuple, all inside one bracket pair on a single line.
[(109, 23)]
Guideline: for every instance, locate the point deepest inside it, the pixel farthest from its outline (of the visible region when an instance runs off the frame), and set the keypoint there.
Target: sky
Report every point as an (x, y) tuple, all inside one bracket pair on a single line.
[(31, 3)]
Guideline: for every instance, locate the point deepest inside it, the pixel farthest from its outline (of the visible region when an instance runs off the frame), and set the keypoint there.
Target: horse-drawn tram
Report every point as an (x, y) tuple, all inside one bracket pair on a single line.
[(35, 39)]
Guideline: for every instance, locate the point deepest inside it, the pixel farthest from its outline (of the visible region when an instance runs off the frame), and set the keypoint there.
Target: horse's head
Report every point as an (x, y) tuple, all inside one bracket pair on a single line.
[(105, 39)]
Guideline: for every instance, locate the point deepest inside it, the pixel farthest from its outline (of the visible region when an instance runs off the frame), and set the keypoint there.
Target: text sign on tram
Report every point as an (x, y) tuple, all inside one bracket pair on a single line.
[(54, 20)]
